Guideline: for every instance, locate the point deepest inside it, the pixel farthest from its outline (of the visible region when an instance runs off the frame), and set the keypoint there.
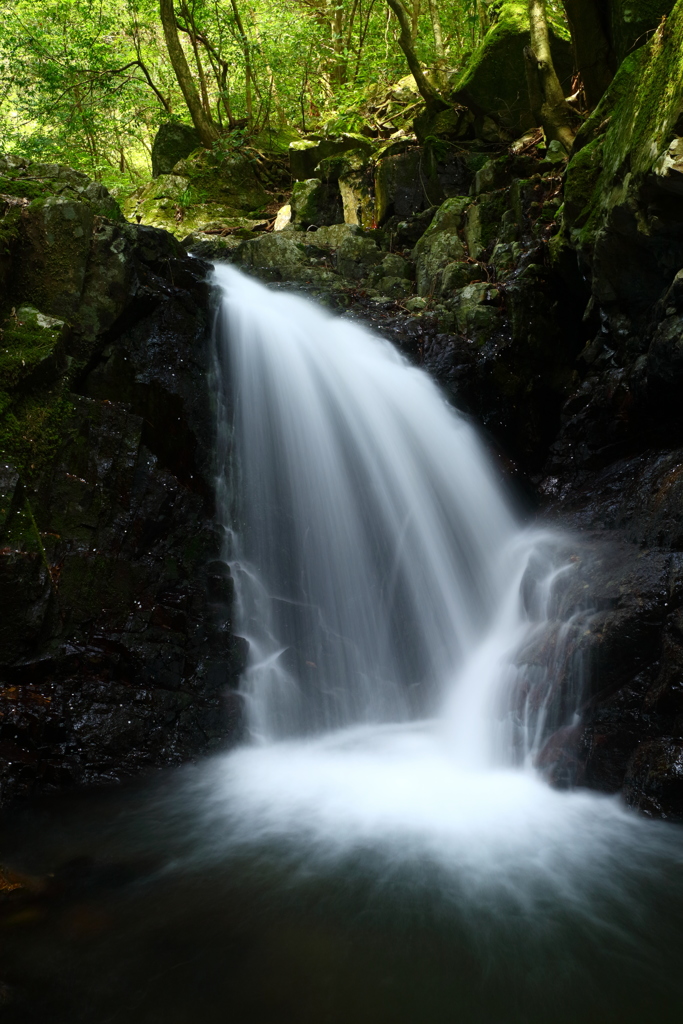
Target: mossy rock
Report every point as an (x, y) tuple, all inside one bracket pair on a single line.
[(356, 256), (271, 252), (33, 429), (315, 202), (581, 184), (493, 83), (274, 140), (622, 173), (455, 123), (484, 219), (31, 349), (440, 245), (204, 190), (476, 313), (54, 254), (306, 154), (35, 181), (172, 142), (405, 182), (458, 275)]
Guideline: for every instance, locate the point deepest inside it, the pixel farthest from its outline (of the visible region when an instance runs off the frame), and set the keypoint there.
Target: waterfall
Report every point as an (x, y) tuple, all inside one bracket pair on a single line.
[(377, 560), (384, 847), (413, 671)]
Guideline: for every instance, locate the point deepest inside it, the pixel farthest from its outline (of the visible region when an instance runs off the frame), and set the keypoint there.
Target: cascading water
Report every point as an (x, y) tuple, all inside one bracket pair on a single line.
[(378, 563), (387, 591), (383, 850)]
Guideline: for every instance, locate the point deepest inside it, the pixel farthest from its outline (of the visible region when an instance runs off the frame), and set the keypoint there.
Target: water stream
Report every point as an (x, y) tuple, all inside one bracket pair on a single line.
[(383, 849)]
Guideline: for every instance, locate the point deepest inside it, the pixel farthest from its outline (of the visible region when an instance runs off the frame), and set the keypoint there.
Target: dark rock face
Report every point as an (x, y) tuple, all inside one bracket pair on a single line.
[(115, 642), (173, 142)]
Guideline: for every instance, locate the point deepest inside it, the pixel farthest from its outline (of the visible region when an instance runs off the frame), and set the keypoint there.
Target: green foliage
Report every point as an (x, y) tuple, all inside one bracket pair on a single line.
[(87, 82)]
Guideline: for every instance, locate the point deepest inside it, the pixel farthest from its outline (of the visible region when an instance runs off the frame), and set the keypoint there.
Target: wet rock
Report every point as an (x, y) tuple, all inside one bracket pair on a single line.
[(665, 354), (654, 779), (115, 643)]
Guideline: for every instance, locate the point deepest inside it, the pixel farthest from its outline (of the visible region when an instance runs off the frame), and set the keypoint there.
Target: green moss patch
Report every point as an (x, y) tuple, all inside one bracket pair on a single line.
[(28, 340), (620, 144), (494, 81), (33, 429)]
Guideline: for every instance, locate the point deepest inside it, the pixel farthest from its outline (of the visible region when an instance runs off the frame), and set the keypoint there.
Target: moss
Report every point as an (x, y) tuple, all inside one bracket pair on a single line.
[(204, 191), (33, 429), (275, 140), (20, 532), (21, 188), (581, 184), (35, 181), (484, 218), (631, 127), (494, 81), (27, 339)]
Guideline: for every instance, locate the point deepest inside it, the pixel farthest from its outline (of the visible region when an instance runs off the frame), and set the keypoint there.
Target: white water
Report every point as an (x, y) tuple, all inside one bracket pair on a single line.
[(379, 572), (377, 560)]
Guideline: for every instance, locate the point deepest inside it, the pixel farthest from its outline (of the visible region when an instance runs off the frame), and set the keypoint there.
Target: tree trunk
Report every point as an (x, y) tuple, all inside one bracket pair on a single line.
[(546, 97), (206, 130), (439, 47), (202, 78), (338, 74), (427, 91), (246, 49), (593, 55)]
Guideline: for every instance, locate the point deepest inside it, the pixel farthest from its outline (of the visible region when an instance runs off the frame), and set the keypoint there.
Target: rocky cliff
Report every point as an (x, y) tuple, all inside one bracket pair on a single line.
[(114, 648)]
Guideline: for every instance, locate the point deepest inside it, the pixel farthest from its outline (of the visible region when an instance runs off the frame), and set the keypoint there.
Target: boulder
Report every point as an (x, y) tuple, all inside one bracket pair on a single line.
[(33, 349), (484, 219), (440, 245), (392, 277), (353, 173), (493, 84), (205, 191), (306, 154), (114, 646), (172, 142), (356, 256), (404, 185), (477, 311), (284, 217), (623, 199), (315, 202)]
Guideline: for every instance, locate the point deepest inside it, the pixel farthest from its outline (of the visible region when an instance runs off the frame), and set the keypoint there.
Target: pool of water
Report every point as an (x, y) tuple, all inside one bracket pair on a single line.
[(360, 878)]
